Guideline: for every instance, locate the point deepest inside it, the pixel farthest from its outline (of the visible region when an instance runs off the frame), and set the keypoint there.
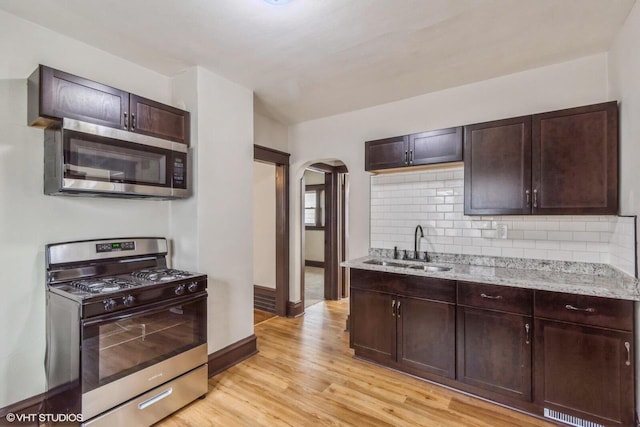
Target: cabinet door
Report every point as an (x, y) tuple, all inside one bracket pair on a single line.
[(497, 167), (373, 325), (575, 161), (386, 153), (437, 146), (584, 372), (494, 351), (155, 119), (65, 95), (426, 336)]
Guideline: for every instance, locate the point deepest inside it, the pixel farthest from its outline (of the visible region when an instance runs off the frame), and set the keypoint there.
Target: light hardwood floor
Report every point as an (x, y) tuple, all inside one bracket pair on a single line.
[(305, 375)]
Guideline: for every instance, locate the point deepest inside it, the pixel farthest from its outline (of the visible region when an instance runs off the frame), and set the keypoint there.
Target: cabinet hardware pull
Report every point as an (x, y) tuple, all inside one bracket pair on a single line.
[(628, 347), (406, 157), (535, 198), (588, 309), (410, 156), (398, 309), (526, 328), (133, 121), (491, 296), (528, 193), (393, 308), (126, 124)]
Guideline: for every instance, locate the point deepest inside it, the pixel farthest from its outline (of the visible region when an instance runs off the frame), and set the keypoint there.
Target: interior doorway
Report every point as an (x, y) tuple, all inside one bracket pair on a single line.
[(271, 232), (325, 201)]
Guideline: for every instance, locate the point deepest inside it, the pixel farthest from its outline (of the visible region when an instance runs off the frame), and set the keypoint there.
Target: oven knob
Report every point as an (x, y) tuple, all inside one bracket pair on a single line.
[(193, 287), (180, 290), (109, 305), (128, 300)]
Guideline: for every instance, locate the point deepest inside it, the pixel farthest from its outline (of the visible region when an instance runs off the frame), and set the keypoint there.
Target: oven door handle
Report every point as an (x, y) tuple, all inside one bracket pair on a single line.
[(144, 310)]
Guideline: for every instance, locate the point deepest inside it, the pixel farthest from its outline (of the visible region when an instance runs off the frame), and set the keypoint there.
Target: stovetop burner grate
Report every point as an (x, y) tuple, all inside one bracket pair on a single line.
[(103, 285), (160, 274)]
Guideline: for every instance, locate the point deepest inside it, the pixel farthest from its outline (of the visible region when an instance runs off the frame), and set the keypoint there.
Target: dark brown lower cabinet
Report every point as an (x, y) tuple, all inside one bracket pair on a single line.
[(373, 327), (413, 334), (585, 372), (560, 356), (426, 336), (494, 351)]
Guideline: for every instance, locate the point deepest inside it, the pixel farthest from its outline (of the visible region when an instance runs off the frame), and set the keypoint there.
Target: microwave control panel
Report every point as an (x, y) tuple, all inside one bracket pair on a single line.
[(179, 172)]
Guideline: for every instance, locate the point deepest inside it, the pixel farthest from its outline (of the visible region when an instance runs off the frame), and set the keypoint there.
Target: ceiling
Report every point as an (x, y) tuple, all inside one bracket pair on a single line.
[(315, 58)]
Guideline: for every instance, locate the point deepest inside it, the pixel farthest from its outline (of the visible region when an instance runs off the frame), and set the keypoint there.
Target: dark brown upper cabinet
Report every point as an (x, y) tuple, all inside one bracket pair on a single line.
[(497, 167), (54, 95), (386, 153), (425, 148), (575, 161), (561, 162), (155, 119)]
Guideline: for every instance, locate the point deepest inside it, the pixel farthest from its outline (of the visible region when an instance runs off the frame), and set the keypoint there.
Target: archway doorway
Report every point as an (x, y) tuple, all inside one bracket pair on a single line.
[(324, 218)]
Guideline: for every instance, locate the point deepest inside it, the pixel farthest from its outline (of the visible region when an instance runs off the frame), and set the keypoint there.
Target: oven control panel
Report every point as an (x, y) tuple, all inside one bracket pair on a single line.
[(137, 298), (115, 247)]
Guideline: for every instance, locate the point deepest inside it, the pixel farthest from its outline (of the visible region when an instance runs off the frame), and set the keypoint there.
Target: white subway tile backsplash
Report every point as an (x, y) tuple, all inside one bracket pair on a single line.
[(435, 199)]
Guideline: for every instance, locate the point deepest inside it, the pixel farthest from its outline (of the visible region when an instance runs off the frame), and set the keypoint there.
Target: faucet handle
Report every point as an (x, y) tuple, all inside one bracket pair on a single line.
[(426, 256), (404, 254)]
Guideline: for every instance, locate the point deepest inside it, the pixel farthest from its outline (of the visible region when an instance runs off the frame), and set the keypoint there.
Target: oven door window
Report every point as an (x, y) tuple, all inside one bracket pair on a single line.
[(114, 348), (94, 158)]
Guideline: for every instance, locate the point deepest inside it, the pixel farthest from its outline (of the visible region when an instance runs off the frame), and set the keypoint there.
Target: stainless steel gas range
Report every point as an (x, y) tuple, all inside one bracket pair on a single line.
[(126, 336)]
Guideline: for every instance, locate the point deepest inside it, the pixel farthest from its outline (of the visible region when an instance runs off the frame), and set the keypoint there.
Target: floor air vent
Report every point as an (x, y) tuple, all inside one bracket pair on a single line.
[(569, 419)]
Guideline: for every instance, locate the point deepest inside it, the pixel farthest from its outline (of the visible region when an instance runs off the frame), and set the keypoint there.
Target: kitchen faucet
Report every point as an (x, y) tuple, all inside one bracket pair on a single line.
[(416, 254)]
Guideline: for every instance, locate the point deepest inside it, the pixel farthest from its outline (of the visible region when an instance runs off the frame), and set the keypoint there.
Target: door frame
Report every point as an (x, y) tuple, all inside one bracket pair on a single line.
[(281, 161)]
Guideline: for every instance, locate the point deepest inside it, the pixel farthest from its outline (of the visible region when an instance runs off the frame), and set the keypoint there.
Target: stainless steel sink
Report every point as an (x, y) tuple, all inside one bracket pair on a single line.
[(430, 268), (386, 263), (427, 268)]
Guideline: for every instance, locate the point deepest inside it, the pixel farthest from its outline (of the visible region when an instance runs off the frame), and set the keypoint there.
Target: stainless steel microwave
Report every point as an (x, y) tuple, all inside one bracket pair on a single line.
[(85, 159)]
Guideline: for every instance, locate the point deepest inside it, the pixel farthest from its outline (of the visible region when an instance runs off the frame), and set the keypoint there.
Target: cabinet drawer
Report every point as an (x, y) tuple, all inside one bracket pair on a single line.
[(493, 297), (404, 284), (428, 288), (583, 309)]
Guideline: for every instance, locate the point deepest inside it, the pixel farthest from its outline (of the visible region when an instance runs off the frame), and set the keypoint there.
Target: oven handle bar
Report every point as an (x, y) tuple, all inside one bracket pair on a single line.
[(155, 399), (144, 310)]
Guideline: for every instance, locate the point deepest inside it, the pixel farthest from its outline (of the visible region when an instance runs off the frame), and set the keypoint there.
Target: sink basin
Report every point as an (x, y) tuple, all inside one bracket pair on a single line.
[(427, 268), (386, 263), (430, 268)]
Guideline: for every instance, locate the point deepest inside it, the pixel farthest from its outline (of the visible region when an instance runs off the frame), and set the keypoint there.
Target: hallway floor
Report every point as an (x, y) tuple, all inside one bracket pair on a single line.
[(313, 286)]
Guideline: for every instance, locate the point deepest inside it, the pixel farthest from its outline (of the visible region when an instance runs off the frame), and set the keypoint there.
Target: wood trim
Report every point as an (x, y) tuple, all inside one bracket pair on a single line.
[(281, 160), (264, 298), (295, 309), (312, 263), (264, 290), (233, 354), (269, 155), (331, 236), (323, 167), (30, 405)]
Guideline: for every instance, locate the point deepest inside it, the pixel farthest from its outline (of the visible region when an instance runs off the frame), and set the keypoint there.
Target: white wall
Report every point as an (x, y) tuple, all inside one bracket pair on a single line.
[(28, 218), (270, 133), (212, 231), (569, 84), (624, 85), (225, 206), (264, 224)]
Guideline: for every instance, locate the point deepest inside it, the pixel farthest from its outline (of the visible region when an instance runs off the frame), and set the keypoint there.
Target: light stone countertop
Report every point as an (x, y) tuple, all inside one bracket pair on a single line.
[(620, 286)]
